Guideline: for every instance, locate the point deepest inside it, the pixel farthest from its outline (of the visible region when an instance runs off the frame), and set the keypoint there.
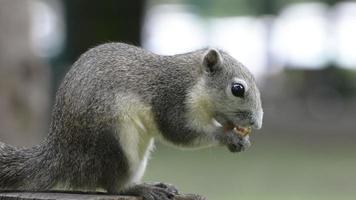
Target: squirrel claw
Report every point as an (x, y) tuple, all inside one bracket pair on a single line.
[(155, 191), (169, 187)]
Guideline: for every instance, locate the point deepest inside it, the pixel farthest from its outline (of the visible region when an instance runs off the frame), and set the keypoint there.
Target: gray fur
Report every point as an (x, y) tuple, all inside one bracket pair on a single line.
[(82, 150)]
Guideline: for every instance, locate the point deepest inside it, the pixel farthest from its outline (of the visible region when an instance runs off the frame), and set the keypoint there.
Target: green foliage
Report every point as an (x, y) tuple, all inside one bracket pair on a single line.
[(223, 8)]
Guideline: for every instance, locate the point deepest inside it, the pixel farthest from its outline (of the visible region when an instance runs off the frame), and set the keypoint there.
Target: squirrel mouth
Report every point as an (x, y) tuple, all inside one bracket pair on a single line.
[(242, 131), (229, 125)]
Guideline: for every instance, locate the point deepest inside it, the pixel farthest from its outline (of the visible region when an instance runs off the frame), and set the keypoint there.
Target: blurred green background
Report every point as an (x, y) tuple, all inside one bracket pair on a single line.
[(302, 53)]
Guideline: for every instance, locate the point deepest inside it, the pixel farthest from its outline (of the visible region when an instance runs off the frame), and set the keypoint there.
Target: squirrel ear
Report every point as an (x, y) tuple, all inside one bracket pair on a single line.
[(212, 60)]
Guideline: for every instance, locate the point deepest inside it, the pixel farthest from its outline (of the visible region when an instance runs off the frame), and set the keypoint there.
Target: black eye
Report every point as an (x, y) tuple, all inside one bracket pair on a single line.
[(238, 90)]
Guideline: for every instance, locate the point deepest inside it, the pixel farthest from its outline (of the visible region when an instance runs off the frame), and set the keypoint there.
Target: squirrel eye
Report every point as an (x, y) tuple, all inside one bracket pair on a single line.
[(238, 90)]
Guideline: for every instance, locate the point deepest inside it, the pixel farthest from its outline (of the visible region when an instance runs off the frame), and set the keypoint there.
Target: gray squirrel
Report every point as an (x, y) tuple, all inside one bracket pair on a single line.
[(115, 100)]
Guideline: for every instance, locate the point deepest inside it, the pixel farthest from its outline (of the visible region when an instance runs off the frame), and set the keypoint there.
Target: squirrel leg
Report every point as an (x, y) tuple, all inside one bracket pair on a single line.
[(155, 191)]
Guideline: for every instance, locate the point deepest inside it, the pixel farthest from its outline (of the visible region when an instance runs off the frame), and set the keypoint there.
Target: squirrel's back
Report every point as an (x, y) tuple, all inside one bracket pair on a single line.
[(118, 66)]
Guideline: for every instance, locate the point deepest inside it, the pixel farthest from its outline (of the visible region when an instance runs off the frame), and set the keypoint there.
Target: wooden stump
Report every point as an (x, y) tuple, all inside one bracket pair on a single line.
[(14, 195)]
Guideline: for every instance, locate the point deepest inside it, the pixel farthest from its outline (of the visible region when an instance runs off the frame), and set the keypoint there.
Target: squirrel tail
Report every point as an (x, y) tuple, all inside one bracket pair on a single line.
[(24, 168)]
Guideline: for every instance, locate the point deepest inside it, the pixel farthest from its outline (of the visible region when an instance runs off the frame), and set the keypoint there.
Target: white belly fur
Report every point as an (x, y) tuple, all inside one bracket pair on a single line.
[(136, 129)]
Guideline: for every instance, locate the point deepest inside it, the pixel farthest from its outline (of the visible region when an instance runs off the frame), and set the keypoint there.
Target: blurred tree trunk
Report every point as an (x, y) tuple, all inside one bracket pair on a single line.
[(24, 79), (89, 23)]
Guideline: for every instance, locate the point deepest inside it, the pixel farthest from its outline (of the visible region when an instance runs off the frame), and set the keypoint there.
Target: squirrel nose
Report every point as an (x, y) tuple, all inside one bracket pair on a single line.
[(255, 125), (256, 121)]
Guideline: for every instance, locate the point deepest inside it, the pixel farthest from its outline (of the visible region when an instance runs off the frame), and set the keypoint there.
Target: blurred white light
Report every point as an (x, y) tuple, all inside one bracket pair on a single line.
[(300, 36), (244, 38), (345, 33), (172, 29), (47, 28)]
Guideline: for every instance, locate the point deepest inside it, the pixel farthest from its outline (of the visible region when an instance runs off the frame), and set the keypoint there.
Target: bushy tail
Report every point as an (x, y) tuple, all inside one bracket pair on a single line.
[(24, 168)]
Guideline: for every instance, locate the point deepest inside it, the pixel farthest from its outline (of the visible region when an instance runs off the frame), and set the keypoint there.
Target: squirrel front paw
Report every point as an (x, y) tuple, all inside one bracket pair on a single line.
[(235, 142), (154, 191)]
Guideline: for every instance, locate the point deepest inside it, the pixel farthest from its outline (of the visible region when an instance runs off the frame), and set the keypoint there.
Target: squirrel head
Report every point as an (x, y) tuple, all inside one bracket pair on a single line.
[(233, 90)]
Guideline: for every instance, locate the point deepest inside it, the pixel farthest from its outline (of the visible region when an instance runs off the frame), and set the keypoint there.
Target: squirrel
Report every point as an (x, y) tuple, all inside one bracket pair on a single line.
[(115, 100)]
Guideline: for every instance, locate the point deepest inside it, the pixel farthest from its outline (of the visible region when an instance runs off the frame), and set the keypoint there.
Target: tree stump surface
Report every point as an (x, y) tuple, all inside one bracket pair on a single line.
[(18, 195)]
